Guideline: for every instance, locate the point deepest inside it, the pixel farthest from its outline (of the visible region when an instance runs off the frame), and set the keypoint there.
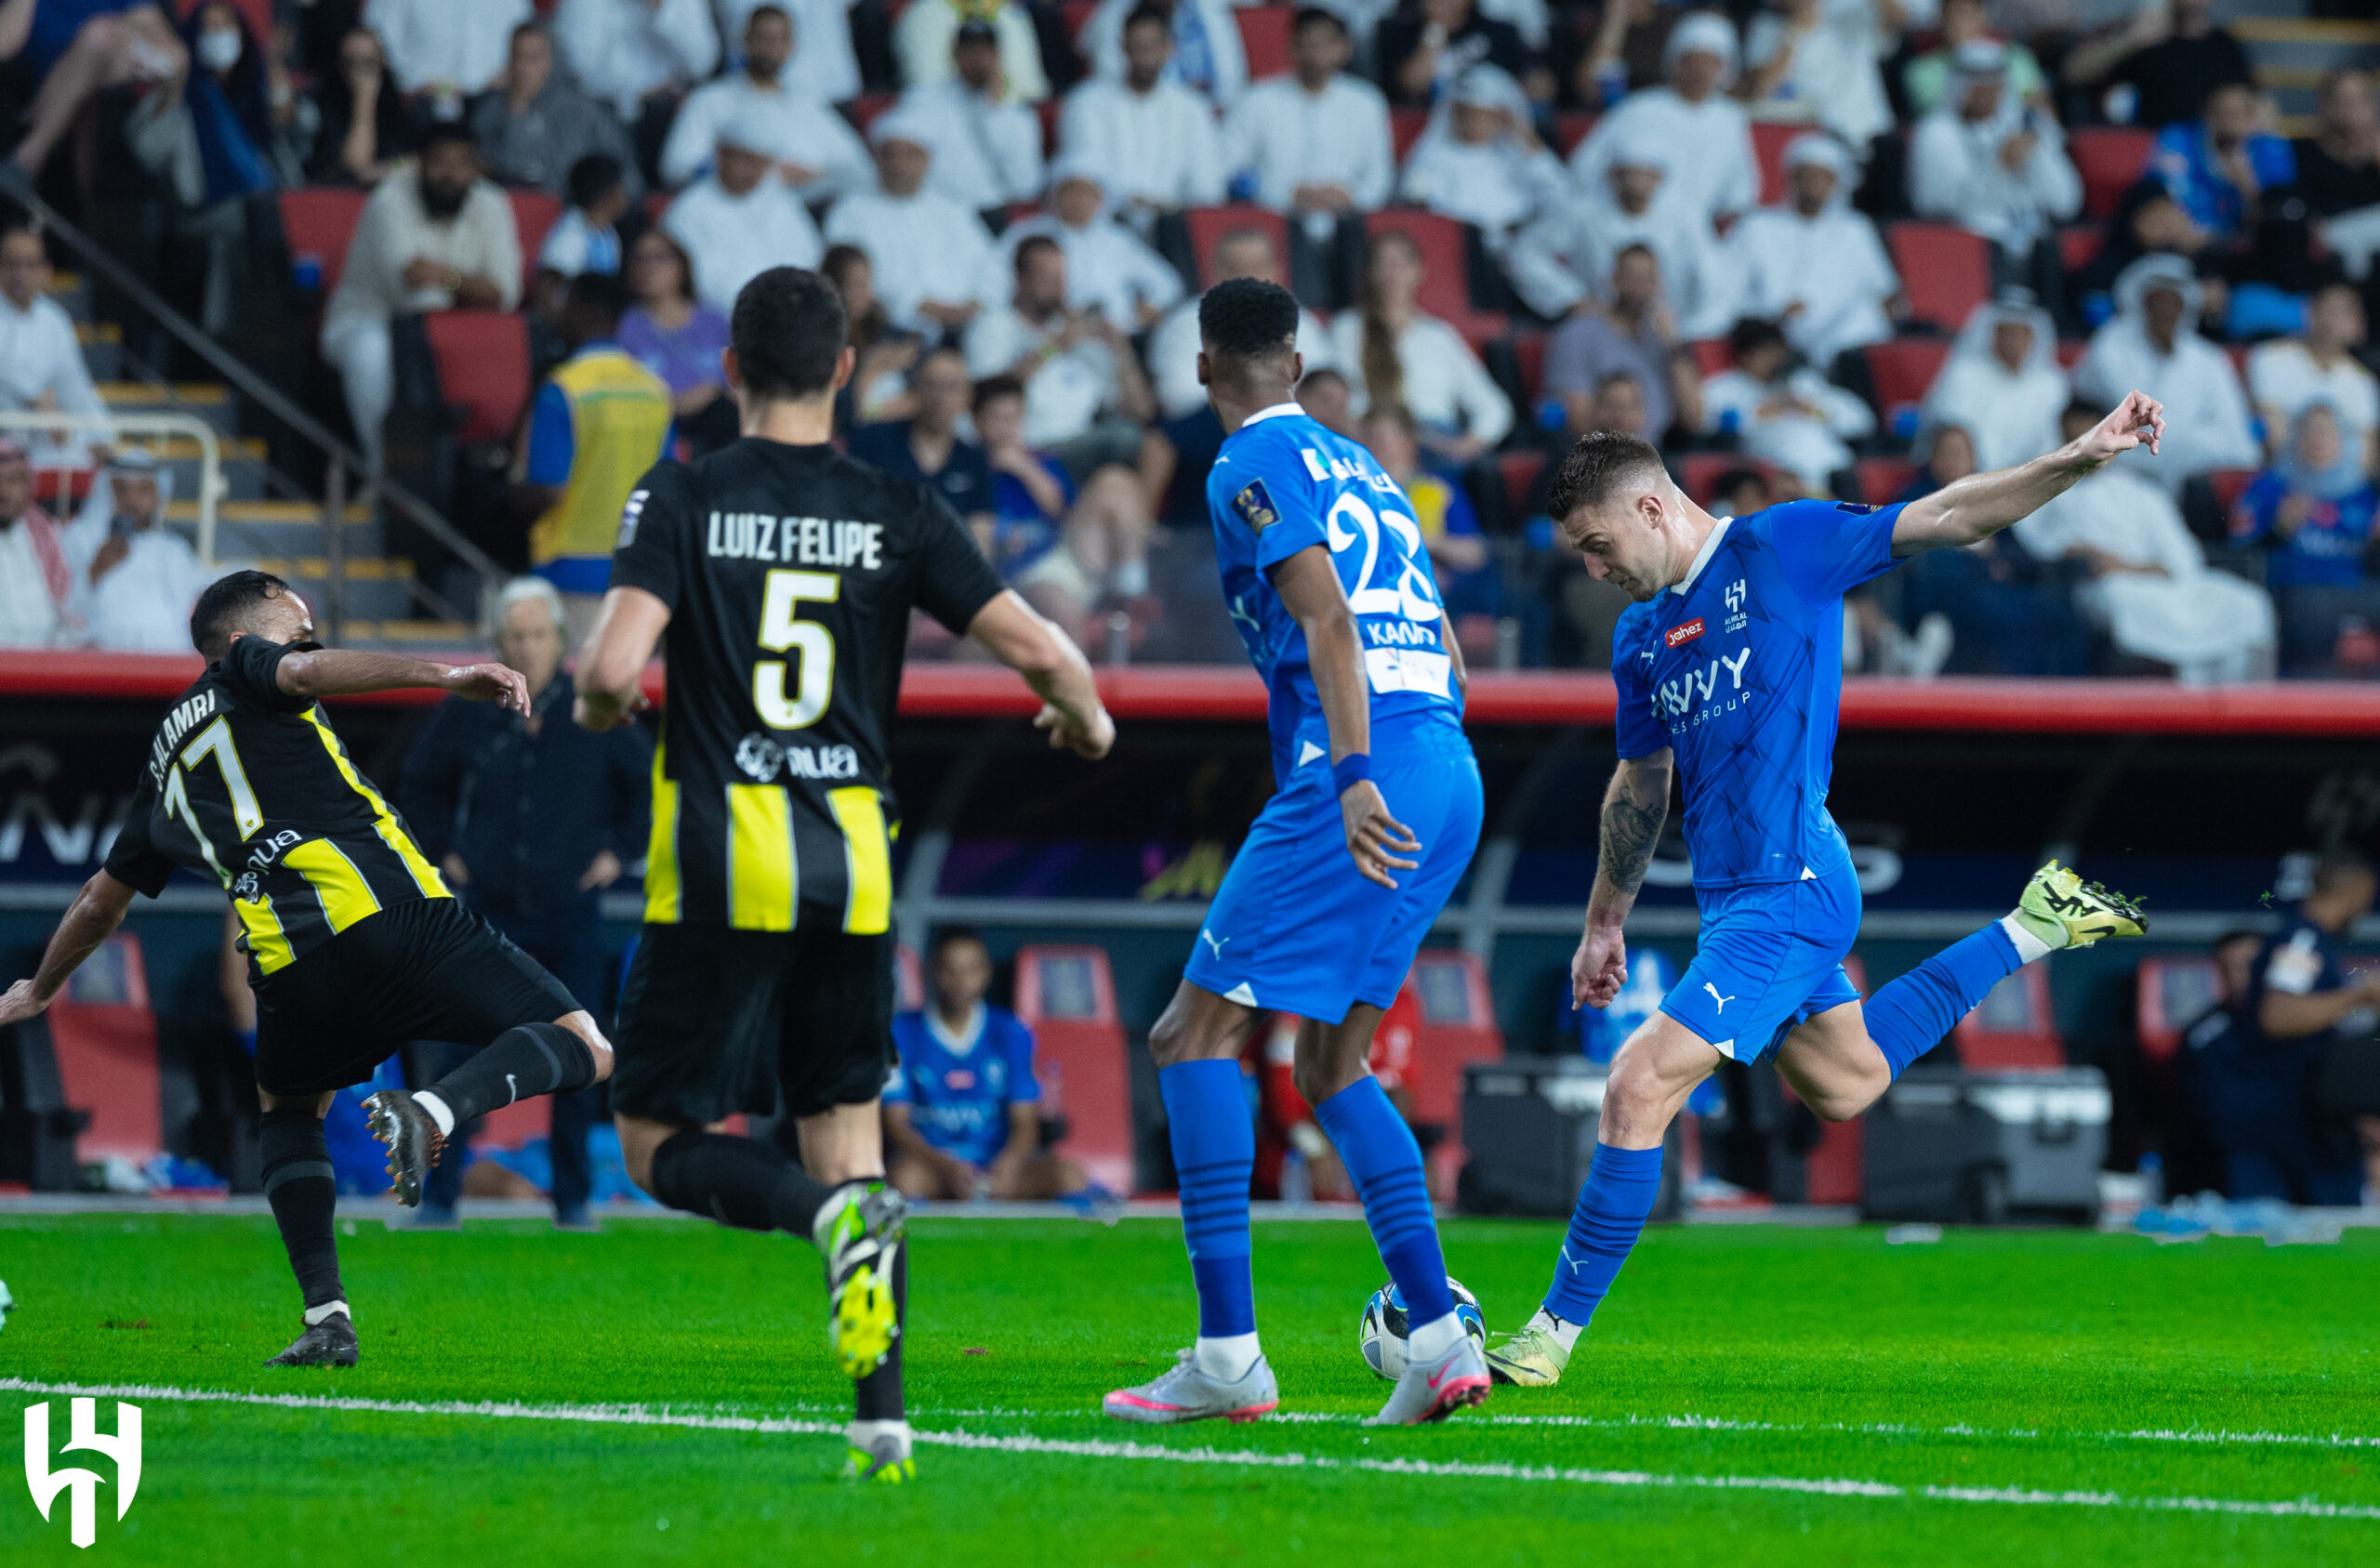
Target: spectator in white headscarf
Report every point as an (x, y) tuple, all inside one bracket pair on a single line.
[(1991, 165), (2002, 383), (2152, 344), (1479, 161), (1109, 267), (1813, 264), (927, 249), (2149, 588), (741, 219), (1562, 261), (139, 576), (1706, 132)]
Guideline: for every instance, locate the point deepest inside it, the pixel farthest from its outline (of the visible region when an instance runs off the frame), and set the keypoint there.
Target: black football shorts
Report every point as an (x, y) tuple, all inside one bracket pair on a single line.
[(423, 969), (715, 1020)]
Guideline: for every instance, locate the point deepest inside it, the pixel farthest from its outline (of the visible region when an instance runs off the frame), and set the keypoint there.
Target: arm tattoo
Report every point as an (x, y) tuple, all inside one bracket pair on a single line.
[(1632, 828)]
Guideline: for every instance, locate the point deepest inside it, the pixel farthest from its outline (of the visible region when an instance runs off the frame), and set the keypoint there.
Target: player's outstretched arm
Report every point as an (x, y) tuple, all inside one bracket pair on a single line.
[(1633, 808), (1982, 505), (1032, 644), (611, 667), (1308, 583), (340, 672), (97, 911)]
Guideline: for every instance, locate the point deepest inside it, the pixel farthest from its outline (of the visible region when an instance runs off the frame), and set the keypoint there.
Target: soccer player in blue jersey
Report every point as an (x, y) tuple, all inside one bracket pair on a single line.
[(1326, 576), (1729, 666)]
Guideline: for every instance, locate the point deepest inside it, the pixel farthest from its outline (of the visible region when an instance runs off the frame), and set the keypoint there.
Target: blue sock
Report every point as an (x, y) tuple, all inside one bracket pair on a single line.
[(1214, 1156), (1612, 1209), (1385, 1165), (1910, 1015)]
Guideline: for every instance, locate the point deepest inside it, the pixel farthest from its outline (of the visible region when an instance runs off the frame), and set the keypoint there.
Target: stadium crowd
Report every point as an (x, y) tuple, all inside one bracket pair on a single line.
[(1849, 249)]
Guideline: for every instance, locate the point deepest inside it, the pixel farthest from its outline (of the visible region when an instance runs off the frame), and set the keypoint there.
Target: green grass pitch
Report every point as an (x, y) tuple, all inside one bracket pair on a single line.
[(1749, 1395)]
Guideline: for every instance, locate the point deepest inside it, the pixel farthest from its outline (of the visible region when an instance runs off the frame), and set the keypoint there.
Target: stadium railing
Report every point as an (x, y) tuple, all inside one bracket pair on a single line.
[(115, 429)]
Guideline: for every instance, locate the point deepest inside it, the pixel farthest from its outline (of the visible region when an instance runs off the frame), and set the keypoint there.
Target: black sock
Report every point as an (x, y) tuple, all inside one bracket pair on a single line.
[(880, 1391), (303, 1190), (738, 1181), (532, 1059)]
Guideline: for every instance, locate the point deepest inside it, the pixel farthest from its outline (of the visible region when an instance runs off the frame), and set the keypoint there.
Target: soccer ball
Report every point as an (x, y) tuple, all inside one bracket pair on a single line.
[(1382, 1336)]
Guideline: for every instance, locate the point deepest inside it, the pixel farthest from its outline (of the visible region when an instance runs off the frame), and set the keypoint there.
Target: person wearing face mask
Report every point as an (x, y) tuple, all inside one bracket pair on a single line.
[(211, 135), (436, 236)]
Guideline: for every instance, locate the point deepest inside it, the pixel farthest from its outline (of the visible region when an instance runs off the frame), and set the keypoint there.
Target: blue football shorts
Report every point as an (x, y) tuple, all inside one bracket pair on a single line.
[(1770, 954), (1296, 928)]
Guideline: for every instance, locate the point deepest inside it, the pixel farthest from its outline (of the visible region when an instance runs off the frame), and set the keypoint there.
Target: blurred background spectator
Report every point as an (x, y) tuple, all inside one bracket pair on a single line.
[(139, 576), (364, 128), (443, 52), (926, 29), (534, 125), (2288, 374), (1633, 335), (2169, 55), (677, 337), (1392, 352), (2000, 387), (1706, 133), (1428, 43), (1155, 137), (1560, 263), (77, 48), (41, 369), (986, 137), (38, 602), (1925, 80), (1314, 144), (928, 251), (886, 353), (1814, 266), (818, 155), (1109, 267), (739, 220), (927, 446), (1785, 412), (1996, 167), (1173, 346), (1824, 59), (1207, 56), (1480, 161), (2312, 511), (641, 57)]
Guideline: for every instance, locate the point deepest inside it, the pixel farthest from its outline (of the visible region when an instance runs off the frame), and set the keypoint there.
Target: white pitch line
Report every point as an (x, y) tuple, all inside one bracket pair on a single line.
[(639, 1415)]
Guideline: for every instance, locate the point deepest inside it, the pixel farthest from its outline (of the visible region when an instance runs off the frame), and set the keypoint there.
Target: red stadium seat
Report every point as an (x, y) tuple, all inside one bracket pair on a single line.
[(533, 215), (1458, 1028), (1881, 478), (1711, 355), (908, 981), (1769, 143), (2172, 993), (1529, 355), (2079, 243), (1520, 470), (105, 1038), (1048, 111), (1264, 39), (2229, 484), (2013, 1026), (1405, 128), (318, 221), (2071, 352), (861, 111), (1698, 473), (1946, 269), (2110, 158), (1068, 996), (1209, 225), (483, 370), (1901, 370), (1446, 268), (1571, 127)]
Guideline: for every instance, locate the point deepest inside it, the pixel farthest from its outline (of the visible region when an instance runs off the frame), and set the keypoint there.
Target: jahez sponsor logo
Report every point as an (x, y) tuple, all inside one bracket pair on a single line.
[(1678, 637)]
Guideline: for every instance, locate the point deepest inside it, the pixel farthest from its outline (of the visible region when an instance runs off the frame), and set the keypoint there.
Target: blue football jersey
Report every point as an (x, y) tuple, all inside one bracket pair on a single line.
[(1739, 670), (1282, 484), (958, 1088)]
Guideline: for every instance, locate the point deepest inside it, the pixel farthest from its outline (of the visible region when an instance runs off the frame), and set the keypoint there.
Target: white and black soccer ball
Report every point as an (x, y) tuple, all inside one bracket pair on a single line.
[(1382, 1335)]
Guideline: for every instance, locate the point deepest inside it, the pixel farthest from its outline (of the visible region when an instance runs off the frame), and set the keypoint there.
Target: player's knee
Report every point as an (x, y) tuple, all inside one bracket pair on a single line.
[(583, 1025), (1846, 1095), (1322, 1074), (1637, 1102), (1170, 1038)]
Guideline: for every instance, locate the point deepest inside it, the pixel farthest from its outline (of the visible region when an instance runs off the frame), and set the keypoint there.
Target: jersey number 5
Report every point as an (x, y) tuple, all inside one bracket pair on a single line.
[(782, 629)]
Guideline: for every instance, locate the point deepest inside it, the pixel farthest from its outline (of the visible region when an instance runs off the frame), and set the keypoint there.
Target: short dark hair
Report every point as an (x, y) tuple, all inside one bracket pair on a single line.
[(1031, 246), (1316, 16), (2339, 867), (789, 330), (1604, 382), (592, 178), (1322, 377), (994, 387), (2237, 933), (1146, 13), (1248, 319), (443, 132), (593, 307), (949, 934), (223, 606), (783, 13), (1753, 334), (1597, 467)]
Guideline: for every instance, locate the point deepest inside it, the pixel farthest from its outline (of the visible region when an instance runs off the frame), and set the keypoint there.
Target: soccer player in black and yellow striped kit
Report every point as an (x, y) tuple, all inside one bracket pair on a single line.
[(779, 575), (354, 945)]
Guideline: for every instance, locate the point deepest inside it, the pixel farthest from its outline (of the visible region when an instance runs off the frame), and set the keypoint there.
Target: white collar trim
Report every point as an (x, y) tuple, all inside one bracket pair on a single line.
[(957, 1045), (1276, 410), (1701, 558)]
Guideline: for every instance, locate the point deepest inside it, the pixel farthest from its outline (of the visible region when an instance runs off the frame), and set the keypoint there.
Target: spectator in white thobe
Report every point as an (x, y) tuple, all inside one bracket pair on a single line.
[(2149, 588), (1781, 411), (1207, 56), (1076, 367), (926, 250), (1986, 163), (988, 139), (451, 50), (626, 51), (41, 362), (818, 153), (1480, 161), (1156, 138), (1173, 348), (2002, 383), (822, 65), (1317, 142), (1824, 59), (434, 236), (39, 606), (1561, 262), (2286, 375), (2152, 344), (1109, 267), (1708, 136), (926, 30), (1814, 266), (138, 577), (739, 220)]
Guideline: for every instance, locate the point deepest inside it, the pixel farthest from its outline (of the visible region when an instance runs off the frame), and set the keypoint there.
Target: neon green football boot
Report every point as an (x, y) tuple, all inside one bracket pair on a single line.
[(2064, 911)]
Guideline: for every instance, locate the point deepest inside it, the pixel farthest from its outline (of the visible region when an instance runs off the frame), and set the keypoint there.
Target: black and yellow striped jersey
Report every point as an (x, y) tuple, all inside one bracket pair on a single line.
[(249, 785), (790, 573)]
